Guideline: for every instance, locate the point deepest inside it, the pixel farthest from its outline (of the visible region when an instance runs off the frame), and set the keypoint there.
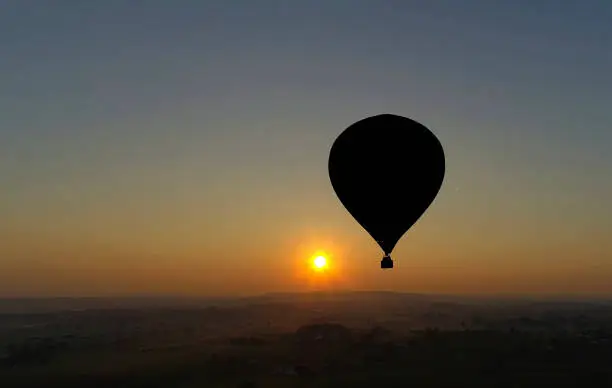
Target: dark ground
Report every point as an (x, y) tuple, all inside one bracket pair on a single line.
[(314, 340)]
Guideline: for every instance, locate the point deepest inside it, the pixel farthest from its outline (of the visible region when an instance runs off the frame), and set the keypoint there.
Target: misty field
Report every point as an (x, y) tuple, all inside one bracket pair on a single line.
[(314, 340)]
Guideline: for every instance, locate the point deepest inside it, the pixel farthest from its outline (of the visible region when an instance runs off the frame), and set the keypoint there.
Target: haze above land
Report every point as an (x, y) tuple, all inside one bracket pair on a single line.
[(30, 305)]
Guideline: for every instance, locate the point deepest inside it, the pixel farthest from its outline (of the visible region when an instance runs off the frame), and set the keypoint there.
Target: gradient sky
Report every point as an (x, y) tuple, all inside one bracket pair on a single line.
[(181, 146)]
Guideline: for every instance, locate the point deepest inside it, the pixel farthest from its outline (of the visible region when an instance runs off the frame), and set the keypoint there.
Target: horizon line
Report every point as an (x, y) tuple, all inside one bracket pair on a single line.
[(179, 296)]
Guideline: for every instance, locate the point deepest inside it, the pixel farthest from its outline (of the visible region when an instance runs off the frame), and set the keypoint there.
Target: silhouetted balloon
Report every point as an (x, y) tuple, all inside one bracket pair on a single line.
[(386, 170)]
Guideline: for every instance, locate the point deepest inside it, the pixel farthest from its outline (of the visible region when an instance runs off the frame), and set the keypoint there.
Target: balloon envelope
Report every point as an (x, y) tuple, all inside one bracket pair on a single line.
[(386, 170)]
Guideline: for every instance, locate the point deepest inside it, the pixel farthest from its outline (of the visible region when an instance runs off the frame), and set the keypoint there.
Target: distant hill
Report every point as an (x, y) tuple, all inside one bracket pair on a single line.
[(381, 299), (43, 305)]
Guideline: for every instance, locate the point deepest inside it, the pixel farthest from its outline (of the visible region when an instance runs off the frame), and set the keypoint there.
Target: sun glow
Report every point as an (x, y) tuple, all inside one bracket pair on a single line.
[(319, 262)]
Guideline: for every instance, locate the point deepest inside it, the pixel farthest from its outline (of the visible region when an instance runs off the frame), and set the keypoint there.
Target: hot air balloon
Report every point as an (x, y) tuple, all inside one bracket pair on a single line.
[(386, 170)]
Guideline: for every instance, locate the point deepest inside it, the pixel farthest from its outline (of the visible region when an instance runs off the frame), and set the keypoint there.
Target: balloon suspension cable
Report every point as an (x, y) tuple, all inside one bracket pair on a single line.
[(386, 262)]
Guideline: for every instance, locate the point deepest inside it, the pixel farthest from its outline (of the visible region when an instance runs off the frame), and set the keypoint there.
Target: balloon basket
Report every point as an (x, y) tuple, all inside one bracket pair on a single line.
[(386, 262)]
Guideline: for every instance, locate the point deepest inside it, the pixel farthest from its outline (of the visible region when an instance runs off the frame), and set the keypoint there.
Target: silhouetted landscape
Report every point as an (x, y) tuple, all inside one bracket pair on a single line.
[(359, 339), (160, 148)]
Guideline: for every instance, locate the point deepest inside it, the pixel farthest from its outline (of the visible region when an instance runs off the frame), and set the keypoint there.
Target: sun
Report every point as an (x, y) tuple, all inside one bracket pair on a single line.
[(319, 263)]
